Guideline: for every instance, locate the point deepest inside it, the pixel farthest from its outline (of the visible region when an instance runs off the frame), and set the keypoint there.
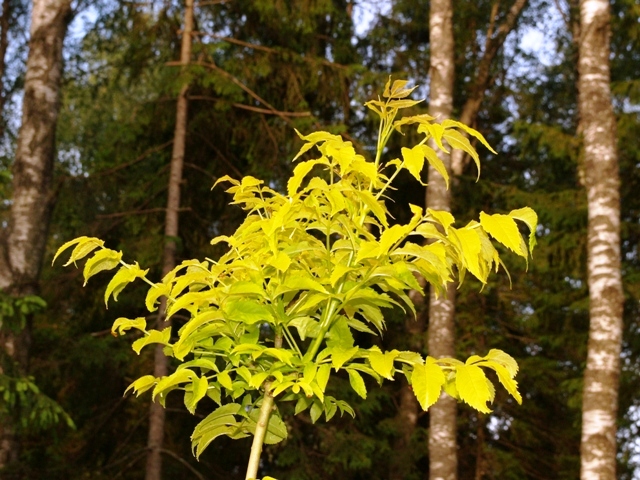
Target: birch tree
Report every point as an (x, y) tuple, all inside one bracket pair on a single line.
[(598, 126), (22, 243), (443, 460), (157, 412)]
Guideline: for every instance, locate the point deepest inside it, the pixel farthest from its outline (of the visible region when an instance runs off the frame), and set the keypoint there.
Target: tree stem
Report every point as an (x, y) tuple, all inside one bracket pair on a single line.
[(263, 423), (261, 431)]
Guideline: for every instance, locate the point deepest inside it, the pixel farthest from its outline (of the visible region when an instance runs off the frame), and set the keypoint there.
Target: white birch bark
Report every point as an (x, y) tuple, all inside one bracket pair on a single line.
[(157, 412), (598, 126), (22, 244), (443, 459)]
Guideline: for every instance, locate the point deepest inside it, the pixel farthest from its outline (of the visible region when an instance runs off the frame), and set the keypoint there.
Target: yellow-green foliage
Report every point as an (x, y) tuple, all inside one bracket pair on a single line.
[(309, 267)]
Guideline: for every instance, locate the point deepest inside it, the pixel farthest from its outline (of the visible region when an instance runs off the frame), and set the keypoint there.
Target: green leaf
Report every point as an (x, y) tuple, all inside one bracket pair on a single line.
[(154, 336), (304, 325), (382, 363), (176, 378), (225, 380), (357, 383), (504, 229), (122, 324), (105, 259), (200, 386), (427, 381), (220, 422), (339, 356), (247, 311), (124, 276), (471, 384), (340, 335), (322, 376)]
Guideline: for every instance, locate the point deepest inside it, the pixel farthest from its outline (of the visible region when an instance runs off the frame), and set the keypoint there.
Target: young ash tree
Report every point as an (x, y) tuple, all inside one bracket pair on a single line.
[(273, 318)]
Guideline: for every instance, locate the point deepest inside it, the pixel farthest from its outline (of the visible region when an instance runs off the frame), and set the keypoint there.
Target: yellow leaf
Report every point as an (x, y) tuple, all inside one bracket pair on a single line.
[(357, 383), (156, 292), (474, 133), (443, 217), (374, 205), (341, 355), (471, 384), (103, 260), (84, 248), (124, 276), (460, 142), (470, 247), (281, 261), (503, 359), (391, 236), (382, 363), (122, 324), (435, 162), (414, 161), (530, 218), (337, 273), (427, 381), (504, 229), (301, 170), (436, 131), (508, 382), (368, 250)]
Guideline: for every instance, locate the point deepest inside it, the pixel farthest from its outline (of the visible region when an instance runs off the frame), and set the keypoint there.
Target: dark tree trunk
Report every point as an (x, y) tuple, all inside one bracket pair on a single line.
[(157, 412)]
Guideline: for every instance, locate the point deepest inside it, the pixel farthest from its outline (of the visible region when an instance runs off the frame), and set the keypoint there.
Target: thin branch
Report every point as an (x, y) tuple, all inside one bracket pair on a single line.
[(139, 212), (183, 462), (150, 151), (236, 41), (221, 155), (211, 2), (235, 80), (255, 46), (250, 108), (201, 170)]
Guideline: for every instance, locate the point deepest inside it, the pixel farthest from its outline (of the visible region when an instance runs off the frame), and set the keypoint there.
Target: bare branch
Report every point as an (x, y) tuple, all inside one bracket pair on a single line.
[(133, 162), (251, 108)]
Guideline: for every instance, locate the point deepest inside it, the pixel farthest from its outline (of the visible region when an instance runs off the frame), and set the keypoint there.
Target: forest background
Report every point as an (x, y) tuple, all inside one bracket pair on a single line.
[(256, 71)]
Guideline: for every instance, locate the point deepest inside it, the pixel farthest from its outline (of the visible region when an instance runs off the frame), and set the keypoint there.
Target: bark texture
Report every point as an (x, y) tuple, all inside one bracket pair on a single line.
[(443, 459), (157, 412), (483, 79), (4, 43), (598, 124), (22, 244)]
